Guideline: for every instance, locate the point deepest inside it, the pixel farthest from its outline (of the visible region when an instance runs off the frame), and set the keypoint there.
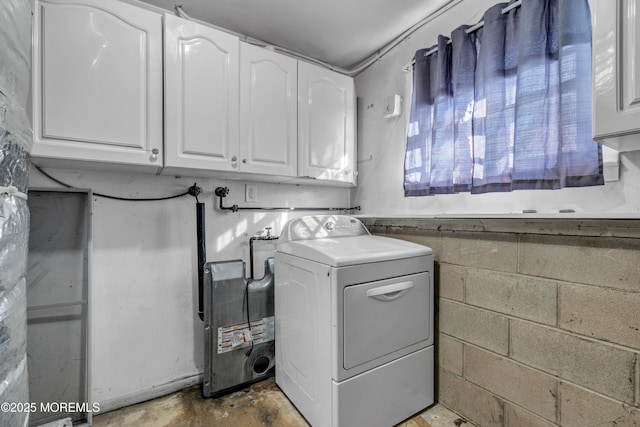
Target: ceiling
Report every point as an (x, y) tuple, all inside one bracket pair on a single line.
[(338, 32)]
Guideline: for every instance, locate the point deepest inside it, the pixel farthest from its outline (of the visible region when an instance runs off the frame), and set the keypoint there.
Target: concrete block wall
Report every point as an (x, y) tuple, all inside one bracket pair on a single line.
[(537, 324)]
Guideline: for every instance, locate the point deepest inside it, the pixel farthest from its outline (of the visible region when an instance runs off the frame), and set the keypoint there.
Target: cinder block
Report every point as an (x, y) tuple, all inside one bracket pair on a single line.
[(450, 354), (422, 237), (610, 262), (521, 296), (607, 314), (379, 230), (580, 408), (479, 406), (527, 387), (451, 282), (473, 325), (516, 417), (597, 366), (493, 251)]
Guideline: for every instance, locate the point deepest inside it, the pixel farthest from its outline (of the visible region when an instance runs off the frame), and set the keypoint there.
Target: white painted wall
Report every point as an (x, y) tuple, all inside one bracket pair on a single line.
[(381, 147), (146, 334)]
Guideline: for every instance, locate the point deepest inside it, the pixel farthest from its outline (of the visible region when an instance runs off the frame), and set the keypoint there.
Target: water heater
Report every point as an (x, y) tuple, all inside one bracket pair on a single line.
[(238, 326)]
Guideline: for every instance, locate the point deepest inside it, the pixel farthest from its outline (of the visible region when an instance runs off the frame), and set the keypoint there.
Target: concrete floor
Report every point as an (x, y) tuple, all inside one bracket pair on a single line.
[(261, 404)]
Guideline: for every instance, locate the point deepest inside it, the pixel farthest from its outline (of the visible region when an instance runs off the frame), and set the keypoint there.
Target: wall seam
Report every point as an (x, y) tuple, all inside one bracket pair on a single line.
[(509, 352), (518, 252), (505, 413), (464, 360), (559, 403), (637, 380), (558, 305), (465, 280)]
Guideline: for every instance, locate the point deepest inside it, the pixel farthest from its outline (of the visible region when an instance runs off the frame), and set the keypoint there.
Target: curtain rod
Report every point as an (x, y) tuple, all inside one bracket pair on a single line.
[(469, 30)]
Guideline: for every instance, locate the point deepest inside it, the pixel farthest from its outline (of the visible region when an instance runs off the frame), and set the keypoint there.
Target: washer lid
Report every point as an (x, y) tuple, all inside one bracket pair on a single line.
[(344, 251)]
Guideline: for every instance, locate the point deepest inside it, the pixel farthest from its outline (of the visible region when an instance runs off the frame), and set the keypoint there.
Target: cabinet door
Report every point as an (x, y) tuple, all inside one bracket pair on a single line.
[(268, 112), (97, 82), (201, 96), (326, 120), (616, 73)]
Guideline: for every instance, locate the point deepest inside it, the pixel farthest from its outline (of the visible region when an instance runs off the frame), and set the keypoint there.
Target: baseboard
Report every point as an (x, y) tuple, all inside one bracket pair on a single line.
[(152, 393)]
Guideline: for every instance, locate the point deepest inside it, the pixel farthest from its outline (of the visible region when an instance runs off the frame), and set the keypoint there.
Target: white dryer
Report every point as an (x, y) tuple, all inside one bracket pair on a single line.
[(353, 323)]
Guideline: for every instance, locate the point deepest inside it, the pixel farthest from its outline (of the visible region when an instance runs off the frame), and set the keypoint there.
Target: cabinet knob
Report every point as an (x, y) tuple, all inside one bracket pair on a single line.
[(154, 155), (234, 162), (244, 161)]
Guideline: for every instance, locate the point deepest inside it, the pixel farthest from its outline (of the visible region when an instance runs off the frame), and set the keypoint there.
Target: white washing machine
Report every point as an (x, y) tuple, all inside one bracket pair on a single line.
[(353, 323)]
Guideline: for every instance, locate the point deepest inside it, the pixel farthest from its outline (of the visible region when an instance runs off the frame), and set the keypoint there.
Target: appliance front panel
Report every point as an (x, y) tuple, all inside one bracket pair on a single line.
[(386, 395), (385, 316)]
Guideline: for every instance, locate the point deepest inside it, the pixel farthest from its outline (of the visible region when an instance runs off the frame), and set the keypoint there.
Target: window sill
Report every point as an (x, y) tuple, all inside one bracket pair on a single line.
[(573, 224)]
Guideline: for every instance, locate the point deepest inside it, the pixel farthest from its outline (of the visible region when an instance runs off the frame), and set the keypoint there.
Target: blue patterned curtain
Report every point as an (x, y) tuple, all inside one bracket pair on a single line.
[(506, 107)]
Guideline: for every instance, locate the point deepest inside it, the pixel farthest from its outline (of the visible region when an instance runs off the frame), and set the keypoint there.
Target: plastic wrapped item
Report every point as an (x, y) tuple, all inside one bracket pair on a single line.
[(15, 145), (14, 162), (15, 69), (13, 356), (14, 240)]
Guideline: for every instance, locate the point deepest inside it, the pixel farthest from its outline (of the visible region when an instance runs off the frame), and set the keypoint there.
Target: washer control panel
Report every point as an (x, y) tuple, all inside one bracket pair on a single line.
[(330, 226), (322, 227)]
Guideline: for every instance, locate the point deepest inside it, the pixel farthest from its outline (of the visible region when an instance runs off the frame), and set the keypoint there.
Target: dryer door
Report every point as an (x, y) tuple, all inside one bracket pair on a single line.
[(385, 316)]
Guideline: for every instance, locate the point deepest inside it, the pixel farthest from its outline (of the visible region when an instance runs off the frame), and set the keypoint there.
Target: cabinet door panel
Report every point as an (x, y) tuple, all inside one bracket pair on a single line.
[(630, 52), (201, 108), (268, 104), (326, 124), (98, 82), (616, 73), (327, 127)]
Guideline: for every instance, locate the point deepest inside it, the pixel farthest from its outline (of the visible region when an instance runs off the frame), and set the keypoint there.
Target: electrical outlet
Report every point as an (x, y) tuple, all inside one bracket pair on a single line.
[(250, 193)]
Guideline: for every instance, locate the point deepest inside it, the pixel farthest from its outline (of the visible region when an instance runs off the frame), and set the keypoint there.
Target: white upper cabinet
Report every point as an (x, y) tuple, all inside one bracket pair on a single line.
[(201, 96), (97, 72), (268, 112), (109, 77), (616, 73), (326, 125)]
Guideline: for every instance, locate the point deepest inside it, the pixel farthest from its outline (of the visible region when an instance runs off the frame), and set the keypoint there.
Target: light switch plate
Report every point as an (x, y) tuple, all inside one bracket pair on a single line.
[(250, 193)]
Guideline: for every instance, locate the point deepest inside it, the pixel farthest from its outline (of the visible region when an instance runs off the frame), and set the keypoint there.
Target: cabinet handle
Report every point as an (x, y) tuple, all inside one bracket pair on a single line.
[(244, 161), (154, 155), (234, 162)]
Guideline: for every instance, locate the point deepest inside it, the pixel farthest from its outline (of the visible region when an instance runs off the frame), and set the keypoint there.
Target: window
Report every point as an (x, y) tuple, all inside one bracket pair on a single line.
[(506, 106)]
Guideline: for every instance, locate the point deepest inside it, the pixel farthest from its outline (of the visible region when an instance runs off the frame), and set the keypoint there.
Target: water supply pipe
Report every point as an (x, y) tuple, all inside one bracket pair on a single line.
[(201, 246), (251, 240), (223, 192)]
